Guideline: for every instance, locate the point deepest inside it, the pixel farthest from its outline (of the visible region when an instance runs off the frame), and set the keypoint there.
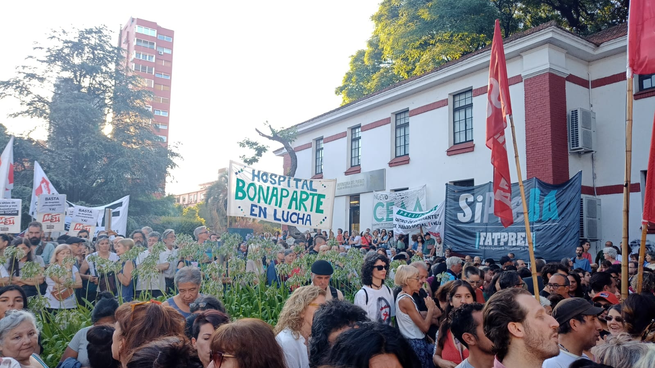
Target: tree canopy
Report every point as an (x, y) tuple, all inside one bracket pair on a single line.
[(412, 37), (100, 143)]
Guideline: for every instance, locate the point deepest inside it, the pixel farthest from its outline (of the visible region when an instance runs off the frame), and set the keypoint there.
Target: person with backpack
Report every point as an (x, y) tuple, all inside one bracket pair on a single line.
[(375, 297), (321, 274)]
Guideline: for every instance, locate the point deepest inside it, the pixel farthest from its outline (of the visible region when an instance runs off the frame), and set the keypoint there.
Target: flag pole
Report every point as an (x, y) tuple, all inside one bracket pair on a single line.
[(642, 255), (526, 219), (626, 191)]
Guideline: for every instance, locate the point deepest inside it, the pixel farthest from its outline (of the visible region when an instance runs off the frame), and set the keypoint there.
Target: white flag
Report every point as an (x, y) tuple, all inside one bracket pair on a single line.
[(42, 185), (7, 169)]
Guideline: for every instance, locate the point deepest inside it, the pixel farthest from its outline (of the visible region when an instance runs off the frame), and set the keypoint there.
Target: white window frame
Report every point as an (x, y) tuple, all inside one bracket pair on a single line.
[(161, 112), (148, 57), (162, 75), (164, 50), (146, 31), (164, 38), (154, 45)]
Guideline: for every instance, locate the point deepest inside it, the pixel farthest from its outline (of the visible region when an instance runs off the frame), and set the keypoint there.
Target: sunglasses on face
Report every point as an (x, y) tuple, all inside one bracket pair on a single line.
[(617, 319), (381, 267), (596, 304), (218, 356)]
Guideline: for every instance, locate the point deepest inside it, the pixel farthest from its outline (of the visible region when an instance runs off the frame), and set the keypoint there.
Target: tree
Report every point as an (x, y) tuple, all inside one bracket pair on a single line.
[(283, 136), (214, 209), (413, 37), (80, 87)]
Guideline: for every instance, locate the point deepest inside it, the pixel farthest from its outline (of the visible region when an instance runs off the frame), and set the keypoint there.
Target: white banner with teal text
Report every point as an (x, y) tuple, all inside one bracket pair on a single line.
[(278, 198), (384, 202), (408, 222)]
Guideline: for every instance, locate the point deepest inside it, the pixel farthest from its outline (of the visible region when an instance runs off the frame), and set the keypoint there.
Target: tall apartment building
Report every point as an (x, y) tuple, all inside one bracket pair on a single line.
[(149, 53)]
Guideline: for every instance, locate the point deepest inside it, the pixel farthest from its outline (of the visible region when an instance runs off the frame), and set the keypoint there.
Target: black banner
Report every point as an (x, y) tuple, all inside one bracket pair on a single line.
[(554, 212)]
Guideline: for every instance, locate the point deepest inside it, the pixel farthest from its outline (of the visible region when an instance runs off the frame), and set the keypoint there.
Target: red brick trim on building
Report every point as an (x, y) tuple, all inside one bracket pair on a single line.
[(479, 91), (460, 148), (615, 78), (644, 94), (335, 137), (429, 107), (317, 176), (515, 80), (546, 138), (584, 83), (376, 124), (353, 170), (399, 161), (303, 147), (610, 189)]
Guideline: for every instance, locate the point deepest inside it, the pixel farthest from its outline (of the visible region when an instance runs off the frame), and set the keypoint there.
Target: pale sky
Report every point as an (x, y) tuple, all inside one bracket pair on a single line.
[(236, 64)]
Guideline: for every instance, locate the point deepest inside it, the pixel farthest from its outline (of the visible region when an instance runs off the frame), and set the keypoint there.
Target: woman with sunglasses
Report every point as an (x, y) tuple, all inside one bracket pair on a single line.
[(294, 324), (232, 346), (375, 297), (138, 323), (615, 321)]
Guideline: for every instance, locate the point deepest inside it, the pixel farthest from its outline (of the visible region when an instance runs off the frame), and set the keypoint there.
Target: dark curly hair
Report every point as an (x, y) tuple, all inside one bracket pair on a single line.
[(167, 352), (501, 309), (331, 316), (367, 267), (508, 279), (355, 347)]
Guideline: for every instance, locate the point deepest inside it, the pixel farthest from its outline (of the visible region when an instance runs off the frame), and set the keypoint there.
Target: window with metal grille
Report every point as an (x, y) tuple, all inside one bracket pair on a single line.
[(355, 146), (402, 134), (318, 163), (463, 117)]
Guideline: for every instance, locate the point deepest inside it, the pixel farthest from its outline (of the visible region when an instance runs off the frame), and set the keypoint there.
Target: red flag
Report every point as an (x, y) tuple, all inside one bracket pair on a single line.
[(641, 37), (649, 196), (498, 107)]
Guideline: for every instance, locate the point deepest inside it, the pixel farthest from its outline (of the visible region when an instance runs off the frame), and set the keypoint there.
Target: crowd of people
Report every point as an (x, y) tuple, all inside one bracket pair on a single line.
[(434, 309)]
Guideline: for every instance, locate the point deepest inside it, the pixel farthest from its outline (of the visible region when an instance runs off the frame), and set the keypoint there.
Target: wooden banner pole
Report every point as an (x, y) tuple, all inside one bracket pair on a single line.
[(526, 219), (626, 192), (642, 256)]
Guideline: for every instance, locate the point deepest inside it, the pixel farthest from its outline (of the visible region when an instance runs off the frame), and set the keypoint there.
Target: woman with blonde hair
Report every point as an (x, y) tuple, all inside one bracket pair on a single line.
[(124, 277), (412, 325), (620, 351), (294, 324), (62, 279)]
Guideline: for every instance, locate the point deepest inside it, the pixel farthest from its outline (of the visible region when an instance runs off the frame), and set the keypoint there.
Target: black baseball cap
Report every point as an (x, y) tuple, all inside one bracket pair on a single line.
[(322, 267), (571, 307), (74, 240)]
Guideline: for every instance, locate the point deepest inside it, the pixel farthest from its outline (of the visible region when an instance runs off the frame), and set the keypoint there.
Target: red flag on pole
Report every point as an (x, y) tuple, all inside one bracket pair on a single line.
[(498, 108), (649, 196), (641, 37)]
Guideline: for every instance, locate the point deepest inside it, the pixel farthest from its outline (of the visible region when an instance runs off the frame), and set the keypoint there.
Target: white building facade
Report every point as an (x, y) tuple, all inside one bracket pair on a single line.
[(430, 130)]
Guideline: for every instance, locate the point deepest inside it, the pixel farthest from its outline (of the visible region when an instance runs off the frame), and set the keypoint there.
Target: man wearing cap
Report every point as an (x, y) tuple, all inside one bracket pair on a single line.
[(604, 300), (321, 273), (579, 329)]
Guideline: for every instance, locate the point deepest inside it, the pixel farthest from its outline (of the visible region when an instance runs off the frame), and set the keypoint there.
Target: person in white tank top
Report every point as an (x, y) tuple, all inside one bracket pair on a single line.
[(412, 325)]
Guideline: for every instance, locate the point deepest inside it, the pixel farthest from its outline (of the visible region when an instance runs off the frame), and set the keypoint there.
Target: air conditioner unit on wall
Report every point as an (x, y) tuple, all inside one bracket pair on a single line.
[(590, 227), (582, 130)]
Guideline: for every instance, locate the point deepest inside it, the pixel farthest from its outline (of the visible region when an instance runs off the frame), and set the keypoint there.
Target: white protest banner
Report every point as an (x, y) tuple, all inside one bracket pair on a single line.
[(278, 198), (407, 222), (51, 211), (384, 202), (10, 210), (7, 170), (118, 215), (41, 185), (84, 218)]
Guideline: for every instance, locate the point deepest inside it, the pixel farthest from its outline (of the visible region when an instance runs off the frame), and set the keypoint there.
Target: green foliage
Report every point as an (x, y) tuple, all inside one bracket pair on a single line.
[(100, 144), (412, 37)]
